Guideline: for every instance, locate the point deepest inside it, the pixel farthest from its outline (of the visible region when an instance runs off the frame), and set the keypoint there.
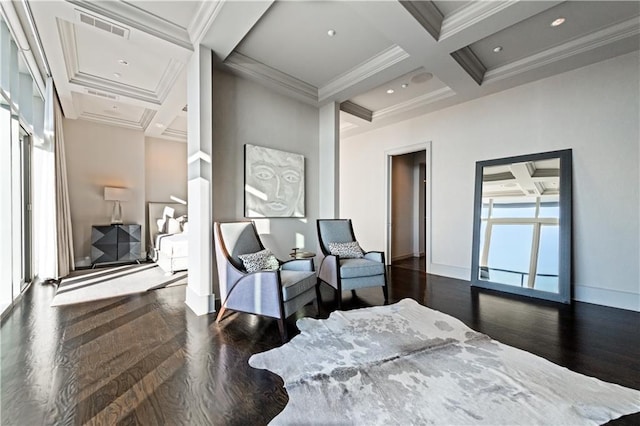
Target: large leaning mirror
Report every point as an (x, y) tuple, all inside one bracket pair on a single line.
[(522, 225)]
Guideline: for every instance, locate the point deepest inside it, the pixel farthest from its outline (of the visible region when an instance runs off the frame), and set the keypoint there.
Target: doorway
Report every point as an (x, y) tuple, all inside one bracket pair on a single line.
[(408, 205)]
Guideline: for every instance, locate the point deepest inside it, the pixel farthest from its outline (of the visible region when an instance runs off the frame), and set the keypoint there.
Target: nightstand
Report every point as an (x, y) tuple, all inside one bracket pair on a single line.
[(115, 243)]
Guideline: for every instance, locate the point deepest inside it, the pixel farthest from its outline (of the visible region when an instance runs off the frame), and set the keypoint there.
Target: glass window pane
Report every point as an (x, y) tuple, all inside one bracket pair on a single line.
[(510, 254), (514, 210), (551, 209), (548, 259)]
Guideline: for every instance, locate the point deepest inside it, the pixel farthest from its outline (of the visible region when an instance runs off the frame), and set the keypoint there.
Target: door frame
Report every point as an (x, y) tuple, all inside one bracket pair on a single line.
[(389, 154)]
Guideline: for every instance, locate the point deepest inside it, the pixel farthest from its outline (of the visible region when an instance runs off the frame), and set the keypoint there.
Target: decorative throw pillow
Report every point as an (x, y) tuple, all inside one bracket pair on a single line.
[(173, 226), (350, 250), (262, 260)]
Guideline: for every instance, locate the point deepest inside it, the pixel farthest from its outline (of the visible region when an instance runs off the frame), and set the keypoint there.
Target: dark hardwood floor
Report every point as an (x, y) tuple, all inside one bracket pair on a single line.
[(147, 359)]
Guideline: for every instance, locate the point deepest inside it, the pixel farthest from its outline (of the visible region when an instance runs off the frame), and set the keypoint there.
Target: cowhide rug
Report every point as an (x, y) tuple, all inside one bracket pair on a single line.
[(408, 364)]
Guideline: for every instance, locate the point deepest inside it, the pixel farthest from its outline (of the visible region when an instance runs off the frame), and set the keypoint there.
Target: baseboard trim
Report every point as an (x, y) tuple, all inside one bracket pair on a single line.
[(581, 293), (200, 304), (606, 297), (403, 257), (450, 271)]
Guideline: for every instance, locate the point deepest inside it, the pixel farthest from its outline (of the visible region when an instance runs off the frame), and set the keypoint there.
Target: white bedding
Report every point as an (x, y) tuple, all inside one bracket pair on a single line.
[(173, 245), (168, 250)]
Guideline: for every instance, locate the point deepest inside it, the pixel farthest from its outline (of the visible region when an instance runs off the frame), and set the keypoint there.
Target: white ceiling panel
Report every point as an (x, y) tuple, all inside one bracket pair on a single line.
[(536, 34), (419, 83), (292, 38), (144, 69), (378, 45)]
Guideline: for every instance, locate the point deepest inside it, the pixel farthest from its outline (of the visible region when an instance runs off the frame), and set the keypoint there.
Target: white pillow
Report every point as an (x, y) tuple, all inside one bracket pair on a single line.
[(168, 211), (173, 226), (350, 250), (162, 225), (262, 260)]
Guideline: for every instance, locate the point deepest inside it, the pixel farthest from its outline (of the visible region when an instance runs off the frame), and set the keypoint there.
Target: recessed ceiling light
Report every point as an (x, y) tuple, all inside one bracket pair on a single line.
[(331, 33), (497, 49), (404, 85), (117, 75), (390, 91), (123, 62), (558, 22), (159, 125)]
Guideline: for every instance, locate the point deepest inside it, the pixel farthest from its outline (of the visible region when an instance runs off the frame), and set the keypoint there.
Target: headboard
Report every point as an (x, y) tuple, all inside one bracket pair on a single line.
[(154, 212)]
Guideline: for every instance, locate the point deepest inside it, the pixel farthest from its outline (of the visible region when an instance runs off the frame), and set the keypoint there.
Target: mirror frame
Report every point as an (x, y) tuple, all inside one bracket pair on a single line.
[(565, 230)]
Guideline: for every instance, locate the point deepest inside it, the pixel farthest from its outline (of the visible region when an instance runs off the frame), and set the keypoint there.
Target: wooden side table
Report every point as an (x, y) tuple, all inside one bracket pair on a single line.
[(297, 254)]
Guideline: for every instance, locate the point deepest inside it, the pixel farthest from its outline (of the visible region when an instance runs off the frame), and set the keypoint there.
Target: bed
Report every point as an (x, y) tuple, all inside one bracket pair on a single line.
[(168, 242)]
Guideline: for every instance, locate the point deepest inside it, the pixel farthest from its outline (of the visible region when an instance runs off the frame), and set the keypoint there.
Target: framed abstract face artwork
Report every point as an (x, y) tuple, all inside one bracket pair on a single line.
[(273, 183)]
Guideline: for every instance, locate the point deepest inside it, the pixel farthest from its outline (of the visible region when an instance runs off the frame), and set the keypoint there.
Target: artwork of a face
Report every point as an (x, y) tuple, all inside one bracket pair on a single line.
[(274, 183)]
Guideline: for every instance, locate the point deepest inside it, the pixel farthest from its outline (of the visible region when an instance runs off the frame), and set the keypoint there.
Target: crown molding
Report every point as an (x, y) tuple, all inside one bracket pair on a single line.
[(175, 134), (348, 126), (417, 102), (378, 63), (612, 34), (66, 31), (427, 15), (356, 110), (204, 17), (140, 124), (266, 75), (470, 15), (67, 34), (134, 17), (168, 79), (470, 63)]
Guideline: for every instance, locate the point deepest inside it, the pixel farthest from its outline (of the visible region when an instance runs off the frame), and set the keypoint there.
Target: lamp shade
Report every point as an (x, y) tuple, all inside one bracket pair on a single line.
[(116, 194)]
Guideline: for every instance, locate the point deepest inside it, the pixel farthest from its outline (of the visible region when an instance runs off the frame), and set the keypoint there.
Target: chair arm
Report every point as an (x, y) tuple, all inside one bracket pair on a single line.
[(257, 292), (298, 265), (329, 269), (376, 256)]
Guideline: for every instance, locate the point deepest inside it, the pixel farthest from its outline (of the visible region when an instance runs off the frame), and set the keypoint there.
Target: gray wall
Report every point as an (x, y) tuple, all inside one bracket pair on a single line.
[(594, 110), (247, 113), (97, 156), (165, 169)]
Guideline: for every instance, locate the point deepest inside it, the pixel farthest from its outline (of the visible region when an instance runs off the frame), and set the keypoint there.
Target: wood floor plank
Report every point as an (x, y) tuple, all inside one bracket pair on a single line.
[(147, 359)]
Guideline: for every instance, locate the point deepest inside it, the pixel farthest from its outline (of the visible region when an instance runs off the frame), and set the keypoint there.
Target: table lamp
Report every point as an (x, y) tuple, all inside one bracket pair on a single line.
[(116, 195)]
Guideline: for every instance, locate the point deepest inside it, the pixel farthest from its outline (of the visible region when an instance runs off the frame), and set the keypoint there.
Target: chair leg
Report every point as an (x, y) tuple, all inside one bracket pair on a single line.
[(385, 291), (221, 313), (339, 299), (316, 306), (353, 293), (283, 330)]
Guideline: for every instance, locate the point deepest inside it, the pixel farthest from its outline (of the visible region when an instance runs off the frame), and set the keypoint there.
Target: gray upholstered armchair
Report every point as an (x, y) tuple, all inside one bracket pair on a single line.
[(274, 293), (346, 271)]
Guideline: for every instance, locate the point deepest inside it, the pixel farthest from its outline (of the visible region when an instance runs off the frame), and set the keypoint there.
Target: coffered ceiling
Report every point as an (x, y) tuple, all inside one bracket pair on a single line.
[(123, 63)]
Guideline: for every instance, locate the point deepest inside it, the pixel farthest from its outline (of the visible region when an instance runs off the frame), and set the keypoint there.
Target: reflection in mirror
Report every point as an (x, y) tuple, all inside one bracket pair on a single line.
[(517, 231)]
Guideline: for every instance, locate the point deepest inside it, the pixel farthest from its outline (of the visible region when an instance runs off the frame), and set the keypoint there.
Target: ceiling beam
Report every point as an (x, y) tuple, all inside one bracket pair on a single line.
[(231, 23)]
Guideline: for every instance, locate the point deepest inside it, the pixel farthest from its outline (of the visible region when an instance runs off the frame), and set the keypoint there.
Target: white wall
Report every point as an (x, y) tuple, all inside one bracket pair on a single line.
[(97, 156), (165, 169), (246, 113), (593, 110)]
